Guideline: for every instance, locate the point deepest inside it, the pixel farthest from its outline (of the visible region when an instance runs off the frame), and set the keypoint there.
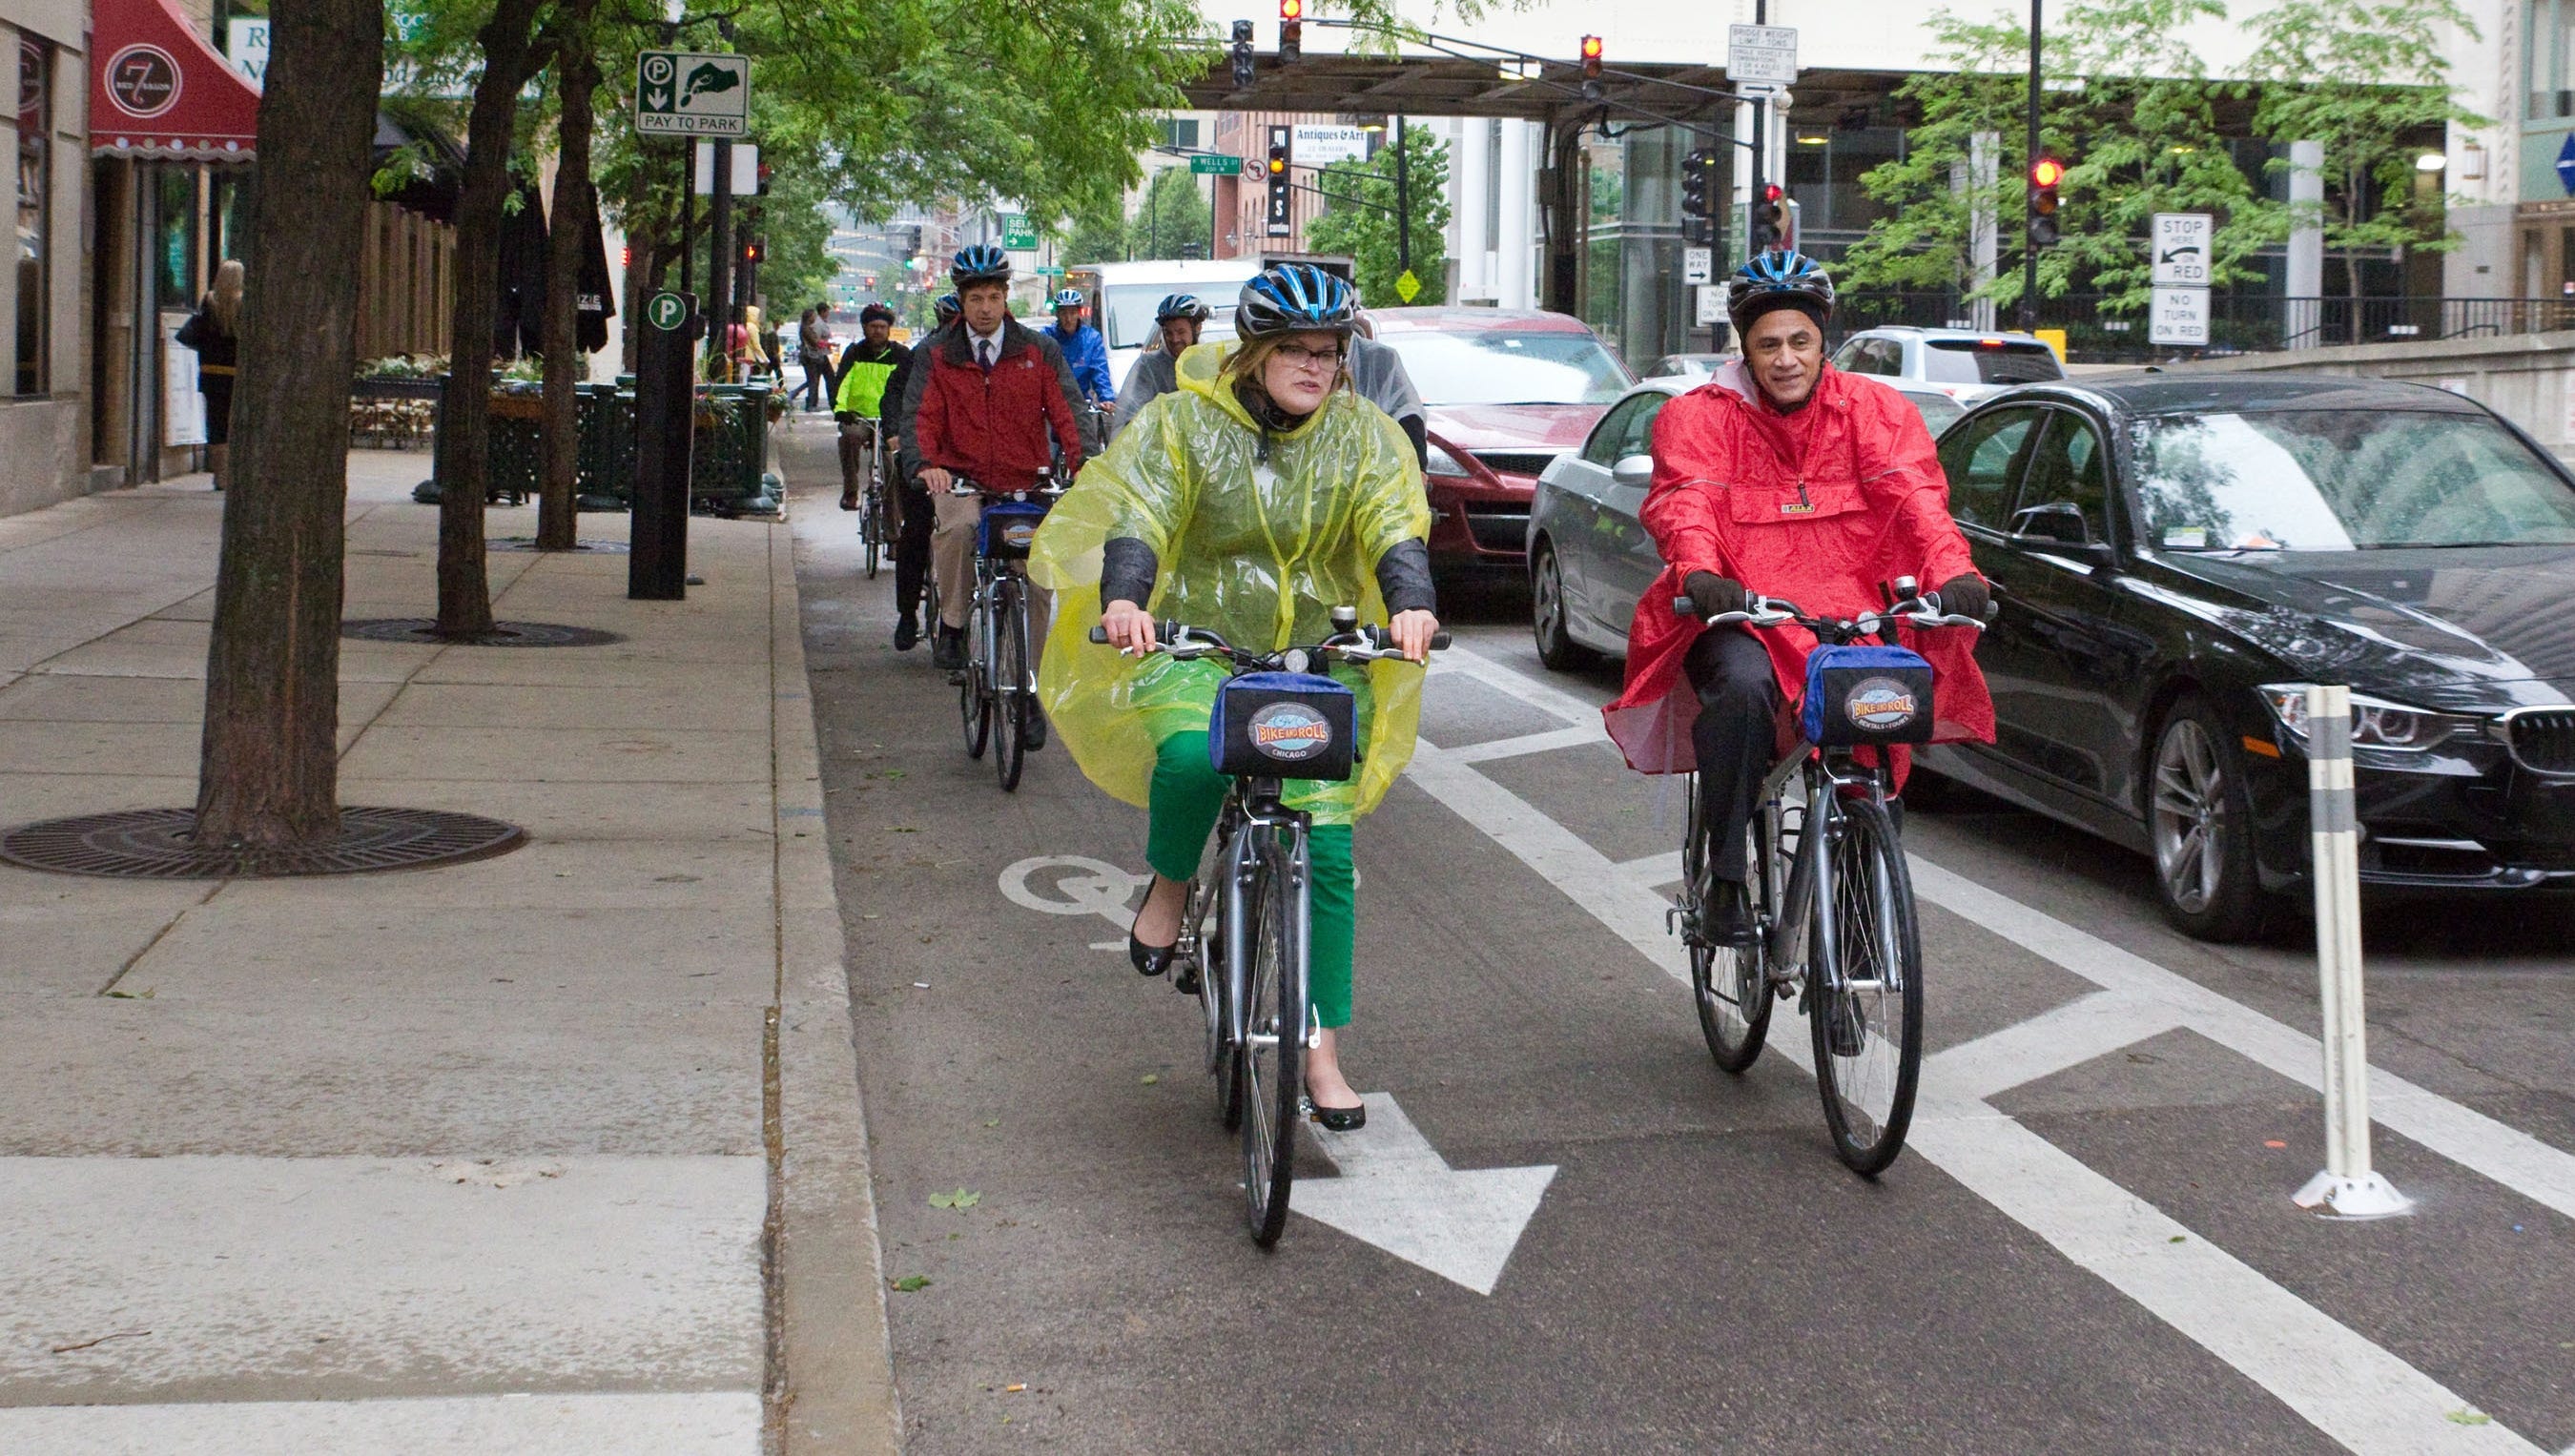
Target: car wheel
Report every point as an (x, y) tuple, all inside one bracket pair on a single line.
[(1556, 646), (2199, 819)]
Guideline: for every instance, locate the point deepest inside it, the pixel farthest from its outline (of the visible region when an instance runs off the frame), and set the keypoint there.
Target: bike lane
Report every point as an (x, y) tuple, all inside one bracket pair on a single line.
[(1698, 1271)]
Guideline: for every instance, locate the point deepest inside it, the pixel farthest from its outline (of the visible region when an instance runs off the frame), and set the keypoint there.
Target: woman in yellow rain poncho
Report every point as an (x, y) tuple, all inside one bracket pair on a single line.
[(1250, 501)]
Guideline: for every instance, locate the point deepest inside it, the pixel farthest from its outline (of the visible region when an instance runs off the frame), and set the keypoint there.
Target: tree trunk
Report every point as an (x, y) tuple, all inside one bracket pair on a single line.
[(463, 587), (268, 772), (574, 223)]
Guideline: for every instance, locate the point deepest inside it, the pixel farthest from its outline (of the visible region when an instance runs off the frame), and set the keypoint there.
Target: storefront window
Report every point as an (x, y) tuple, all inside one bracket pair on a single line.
[(175, 257), (35, 215), (1633, 295), (2548, 69)]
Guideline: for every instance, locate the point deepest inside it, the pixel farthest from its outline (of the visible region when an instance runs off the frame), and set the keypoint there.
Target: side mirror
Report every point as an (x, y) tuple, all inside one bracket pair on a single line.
[(1636, 472), (2058, 526)]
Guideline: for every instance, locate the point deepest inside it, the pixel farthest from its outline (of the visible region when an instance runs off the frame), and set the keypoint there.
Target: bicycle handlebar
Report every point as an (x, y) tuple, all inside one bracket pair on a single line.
[(1921, 609), (1362, 644)]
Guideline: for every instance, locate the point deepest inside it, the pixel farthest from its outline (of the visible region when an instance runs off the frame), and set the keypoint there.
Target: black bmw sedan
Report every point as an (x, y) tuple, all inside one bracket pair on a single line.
[(2174, 557)]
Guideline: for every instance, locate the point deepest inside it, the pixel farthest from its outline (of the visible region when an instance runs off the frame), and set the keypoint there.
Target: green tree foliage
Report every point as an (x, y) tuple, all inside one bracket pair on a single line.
[(2364, 80), (1171, 218), (1099, 235), (2128, 107), (1360, 217)]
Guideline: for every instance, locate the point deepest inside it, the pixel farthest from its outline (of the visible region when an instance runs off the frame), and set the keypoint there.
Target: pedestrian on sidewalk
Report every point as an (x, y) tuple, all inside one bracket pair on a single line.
[(1250, 501), (813, 353), (214, 330)]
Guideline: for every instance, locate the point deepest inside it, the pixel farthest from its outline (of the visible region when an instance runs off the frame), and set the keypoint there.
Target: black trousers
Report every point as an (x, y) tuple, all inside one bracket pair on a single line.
[(911, 550), (1736, 732)]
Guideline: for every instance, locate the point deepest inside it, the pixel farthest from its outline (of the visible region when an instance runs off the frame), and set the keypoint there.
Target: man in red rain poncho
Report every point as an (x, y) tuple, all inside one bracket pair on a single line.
[(1782, 477)]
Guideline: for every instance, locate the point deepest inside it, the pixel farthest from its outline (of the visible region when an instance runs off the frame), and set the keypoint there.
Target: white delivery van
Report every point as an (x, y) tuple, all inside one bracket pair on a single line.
[(1124, 295)]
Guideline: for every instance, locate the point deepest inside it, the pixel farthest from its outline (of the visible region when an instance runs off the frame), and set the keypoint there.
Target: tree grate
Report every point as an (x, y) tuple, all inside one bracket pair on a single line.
[(161, 844), (424, 630), (529, 542)]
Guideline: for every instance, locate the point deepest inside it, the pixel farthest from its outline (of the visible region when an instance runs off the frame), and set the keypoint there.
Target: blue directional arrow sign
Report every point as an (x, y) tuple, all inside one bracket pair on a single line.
[(2566, 165)]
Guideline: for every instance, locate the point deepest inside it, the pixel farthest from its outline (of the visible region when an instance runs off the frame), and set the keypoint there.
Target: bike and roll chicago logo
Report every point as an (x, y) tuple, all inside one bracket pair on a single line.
[(1290, 732), (1881, 704)]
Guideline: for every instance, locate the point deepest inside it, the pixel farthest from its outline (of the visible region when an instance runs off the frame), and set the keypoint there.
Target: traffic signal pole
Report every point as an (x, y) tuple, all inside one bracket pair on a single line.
[(719, 260), (2029, 184), (1753, 202)]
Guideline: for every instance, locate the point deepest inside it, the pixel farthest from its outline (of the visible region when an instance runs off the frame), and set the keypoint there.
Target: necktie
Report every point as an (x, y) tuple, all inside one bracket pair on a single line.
[(984, 354)]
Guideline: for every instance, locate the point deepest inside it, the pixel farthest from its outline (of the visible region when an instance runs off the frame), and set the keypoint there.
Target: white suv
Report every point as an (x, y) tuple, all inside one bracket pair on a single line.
[(1960, 363)]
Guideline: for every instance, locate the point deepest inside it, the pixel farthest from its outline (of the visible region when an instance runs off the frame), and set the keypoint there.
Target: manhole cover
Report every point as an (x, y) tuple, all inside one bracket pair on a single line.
[(529, 542), (501, 634), (160, 843)]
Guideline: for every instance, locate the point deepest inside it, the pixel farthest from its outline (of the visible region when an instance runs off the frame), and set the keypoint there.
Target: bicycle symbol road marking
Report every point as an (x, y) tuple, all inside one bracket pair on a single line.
[(1071, 885)]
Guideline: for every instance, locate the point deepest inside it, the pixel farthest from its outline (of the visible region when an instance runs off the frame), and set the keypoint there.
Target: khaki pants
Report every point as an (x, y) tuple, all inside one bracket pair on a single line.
[(952, 553)]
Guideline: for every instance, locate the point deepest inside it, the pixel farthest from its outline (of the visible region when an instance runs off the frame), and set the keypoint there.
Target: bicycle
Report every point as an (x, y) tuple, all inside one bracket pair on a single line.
[(998, 689), (1242, 949), (875, 518), (1831, 900)]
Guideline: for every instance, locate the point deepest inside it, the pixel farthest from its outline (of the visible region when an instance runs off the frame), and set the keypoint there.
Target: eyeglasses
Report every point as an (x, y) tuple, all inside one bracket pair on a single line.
[(1298, 356)]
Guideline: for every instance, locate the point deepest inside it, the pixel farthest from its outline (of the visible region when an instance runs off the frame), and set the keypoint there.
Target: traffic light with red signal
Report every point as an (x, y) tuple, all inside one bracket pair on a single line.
[(1591, 58), (1769, 224), (1291, 31), (2045, 174)]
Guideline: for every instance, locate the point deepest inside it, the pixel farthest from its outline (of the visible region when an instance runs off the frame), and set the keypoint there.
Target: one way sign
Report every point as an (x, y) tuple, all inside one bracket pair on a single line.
[(2181, 243)]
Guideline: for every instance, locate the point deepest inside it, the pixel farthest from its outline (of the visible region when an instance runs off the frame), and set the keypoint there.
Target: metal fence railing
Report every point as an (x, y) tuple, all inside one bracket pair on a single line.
[(2239, 323)]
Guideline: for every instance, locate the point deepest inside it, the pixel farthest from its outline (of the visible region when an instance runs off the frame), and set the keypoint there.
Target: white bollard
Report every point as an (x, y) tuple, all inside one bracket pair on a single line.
[(2347, 1188)]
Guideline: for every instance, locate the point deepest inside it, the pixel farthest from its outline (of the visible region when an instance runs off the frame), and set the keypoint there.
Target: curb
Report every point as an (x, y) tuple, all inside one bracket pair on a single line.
[(830, 1382)]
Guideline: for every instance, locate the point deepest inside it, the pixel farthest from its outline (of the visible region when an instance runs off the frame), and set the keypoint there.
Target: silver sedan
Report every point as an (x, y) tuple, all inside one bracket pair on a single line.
[(1589, 559)]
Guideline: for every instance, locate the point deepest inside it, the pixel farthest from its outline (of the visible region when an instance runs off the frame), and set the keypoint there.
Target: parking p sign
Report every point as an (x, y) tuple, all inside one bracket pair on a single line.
[(689, 93)]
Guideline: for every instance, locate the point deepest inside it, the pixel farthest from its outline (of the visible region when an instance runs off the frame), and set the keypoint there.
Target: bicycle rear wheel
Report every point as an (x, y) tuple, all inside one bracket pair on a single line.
[(1727, 982), (973, 702), (1010, 704), (1866, 1013), (1273, 1052), (1203, 918)]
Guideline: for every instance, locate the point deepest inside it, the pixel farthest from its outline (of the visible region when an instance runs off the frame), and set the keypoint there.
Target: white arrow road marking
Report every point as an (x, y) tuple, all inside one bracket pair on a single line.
[(1396, 1191)]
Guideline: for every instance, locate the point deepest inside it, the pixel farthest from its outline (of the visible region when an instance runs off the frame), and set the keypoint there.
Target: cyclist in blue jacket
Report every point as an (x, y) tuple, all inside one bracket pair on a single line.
[(1082, 348)]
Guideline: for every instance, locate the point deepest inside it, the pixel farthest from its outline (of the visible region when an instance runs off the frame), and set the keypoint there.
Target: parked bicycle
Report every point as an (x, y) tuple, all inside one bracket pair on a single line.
[(1831, 900), (996, 694), (1243, 943)]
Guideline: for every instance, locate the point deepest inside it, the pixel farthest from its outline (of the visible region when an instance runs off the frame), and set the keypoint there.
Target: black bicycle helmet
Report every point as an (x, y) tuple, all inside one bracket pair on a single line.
[(1778, 281), (948, 307), (1295, 298), (980, 263), (873, 312), (1179, 306)]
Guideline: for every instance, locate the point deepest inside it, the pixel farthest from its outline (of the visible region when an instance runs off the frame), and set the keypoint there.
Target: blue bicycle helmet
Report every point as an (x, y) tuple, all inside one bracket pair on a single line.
[(948, 307), (1295, 298), (1778, 281), (1179, 306), (980, 263), (1070, 298)]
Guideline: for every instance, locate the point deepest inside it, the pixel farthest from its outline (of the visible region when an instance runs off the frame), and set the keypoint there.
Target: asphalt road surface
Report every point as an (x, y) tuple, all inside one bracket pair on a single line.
[(2089, 1245)]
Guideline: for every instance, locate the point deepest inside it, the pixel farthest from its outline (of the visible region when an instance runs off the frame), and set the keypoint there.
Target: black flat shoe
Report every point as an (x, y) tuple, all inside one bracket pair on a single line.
[(1151, 959), (1341, 1119)]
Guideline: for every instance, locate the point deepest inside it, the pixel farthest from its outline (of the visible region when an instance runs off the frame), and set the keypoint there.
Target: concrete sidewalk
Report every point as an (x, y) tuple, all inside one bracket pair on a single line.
[(557, 1151)]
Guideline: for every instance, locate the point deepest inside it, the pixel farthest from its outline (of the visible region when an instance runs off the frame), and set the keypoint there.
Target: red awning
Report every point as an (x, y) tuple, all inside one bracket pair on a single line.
[(157, 89)]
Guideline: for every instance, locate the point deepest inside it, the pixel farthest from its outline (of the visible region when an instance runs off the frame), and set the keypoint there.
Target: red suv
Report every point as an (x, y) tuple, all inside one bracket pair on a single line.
[(1503, 394)]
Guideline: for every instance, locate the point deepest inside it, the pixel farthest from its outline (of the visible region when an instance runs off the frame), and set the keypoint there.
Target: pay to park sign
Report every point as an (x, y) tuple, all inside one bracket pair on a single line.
[(693, 94)]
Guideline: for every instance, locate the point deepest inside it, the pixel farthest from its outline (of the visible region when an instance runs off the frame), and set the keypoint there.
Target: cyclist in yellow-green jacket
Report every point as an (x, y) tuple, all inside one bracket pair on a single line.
[(859, 401)]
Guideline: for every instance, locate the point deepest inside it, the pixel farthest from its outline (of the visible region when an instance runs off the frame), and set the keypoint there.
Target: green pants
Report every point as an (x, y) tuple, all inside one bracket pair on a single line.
[(1188, 795)]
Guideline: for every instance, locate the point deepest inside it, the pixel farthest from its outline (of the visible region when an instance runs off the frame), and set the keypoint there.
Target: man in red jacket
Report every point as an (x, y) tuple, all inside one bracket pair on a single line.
[(992, 393), (1781, 477)]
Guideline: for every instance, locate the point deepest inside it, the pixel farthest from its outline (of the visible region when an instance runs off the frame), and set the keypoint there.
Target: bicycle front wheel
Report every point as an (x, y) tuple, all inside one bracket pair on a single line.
[(1273, 1050), (872, 529), (1727, 982), (1866, 1013), (1011, 703)]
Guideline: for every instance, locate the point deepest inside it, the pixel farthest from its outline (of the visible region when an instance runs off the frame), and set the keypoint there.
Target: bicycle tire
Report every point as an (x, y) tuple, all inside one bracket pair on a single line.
[(1876, 977), (973, 705), (1727, 984), (1011, 706), (872, 530), (1273, 1057)]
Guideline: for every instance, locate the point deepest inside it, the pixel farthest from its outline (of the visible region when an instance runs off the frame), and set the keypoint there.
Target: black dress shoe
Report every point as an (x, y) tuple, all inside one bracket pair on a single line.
[(1151, 959), (1033, 730), (947, 647), (907, 634), (1341, 1120), (1727, 919)]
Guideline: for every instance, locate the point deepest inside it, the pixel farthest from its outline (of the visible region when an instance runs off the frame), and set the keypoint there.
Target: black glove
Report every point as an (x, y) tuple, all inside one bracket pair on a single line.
[(1967, 595), (1712, 593)]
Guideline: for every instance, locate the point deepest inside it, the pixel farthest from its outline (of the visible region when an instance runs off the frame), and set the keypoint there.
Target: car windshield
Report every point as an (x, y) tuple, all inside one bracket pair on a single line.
[(1937, 409), (1502, 367), (1127, 313), (2343, 480), (1974, 360)]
